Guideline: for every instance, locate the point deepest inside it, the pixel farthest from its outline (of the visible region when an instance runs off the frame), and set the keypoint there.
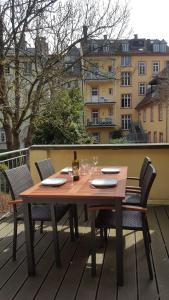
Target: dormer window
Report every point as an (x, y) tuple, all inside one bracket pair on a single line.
[(163, 47), (106, 48), (94, 47), (156, 47), (125, 47)]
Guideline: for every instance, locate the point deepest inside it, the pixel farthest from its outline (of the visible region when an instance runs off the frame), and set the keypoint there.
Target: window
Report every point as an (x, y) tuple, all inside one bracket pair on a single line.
[(96, 137), (27, 68), (126, 100), (125, 47), (95, 116), (2, 136), (110, 111), (125, 61), (141, 68), (125, 78), (142, 88), (151, 114), (144, 115), (156, 67), (156, 47), (125, 122), (149, 136), (161, 140), (163, 47), (95, 91), (110, 91), (110, 69), (155, 136), (106, 48), (160, 112)]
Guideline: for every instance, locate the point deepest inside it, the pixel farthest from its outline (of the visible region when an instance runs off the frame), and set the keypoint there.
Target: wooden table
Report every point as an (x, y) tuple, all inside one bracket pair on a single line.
[(80, 192)]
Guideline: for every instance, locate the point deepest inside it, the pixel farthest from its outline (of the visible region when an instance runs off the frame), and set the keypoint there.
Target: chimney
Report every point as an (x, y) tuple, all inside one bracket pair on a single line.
[(135, 36), (105, 37), (85, 33)]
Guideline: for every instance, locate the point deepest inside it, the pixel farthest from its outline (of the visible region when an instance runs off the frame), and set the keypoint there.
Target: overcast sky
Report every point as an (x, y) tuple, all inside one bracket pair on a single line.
[(150, 18)]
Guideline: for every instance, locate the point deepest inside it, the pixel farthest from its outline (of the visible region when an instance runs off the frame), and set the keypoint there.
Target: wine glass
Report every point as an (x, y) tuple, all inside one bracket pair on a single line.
[(95, 162)]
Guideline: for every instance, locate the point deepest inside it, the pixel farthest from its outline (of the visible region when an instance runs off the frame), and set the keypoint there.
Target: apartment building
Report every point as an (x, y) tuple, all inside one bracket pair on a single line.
[(116, 76), (153, 110)]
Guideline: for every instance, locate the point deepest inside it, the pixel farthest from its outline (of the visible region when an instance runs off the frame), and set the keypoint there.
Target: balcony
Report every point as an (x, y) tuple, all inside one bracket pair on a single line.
[(97, 75), (107, 122), (73, 280), (99, 101)]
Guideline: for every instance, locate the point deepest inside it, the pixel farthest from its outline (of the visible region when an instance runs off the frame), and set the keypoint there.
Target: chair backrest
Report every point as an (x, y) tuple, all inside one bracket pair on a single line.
[(19, 179), (143, 170), (45, 168), (147, 184)]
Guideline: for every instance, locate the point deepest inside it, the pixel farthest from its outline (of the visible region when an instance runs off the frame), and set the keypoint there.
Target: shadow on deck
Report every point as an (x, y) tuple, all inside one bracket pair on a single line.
[(73, 280)]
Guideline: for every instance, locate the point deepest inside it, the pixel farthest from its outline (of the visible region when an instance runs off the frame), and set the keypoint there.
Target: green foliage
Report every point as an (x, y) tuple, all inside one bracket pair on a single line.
[(122, 140), (60, 122), (117, 133)]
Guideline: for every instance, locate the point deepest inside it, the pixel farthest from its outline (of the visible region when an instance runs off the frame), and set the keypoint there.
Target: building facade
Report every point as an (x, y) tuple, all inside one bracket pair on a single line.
[(116, 76)]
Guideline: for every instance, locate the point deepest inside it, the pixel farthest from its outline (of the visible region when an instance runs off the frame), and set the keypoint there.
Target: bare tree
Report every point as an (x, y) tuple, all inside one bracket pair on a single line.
[(52, 28)]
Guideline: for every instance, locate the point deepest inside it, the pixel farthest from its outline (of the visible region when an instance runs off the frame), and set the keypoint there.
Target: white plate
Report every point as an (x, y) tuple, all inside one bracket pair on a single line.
[(104, 182), (110, 170), (54, 181), (66, 170)]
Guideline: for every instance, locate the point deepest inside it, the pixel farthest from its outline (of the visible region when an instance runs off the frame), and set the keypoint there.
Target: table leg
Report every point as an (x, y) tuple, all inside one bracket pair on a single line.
[(55, 236), (29, 239), (93, 244), (119, 243)]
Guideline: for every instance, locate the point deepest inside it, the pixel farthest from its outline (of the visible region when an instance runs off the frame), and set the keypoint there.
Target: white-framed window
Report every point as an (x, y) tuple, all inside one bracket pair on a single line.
[(96, 137), (106, 48), (156, 47), (141, 68), (2, 136), (125, 122), (142, 88), (95, 91), (155, 67), (126, 101), (160, 112), (27, 68), (110, 91), (125, 61), (125, 46), (95, 116), (125, 78), (163, 47)]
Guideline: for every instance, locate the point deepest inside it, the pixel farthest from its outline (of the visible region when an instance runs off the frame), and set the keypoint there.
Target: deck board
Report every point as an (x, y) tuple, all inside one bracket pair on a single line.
[(73, 280)]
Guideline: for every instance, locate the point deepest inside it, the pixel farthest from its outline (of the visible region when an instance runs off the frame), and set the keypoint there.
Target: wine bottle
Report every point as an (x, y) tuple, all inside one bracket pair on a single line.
[(75, 167)]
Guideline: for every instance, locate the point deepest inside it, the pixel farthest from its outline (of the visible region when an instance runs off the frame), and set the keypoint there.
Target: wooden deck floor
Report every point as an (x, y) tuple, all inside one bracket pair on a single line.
[(73, 280)]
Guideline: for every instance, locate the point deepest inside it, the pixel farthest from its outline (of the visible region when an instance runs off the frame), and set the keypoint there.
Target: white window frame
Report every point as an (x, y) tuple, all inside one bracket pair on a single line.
[(95, 91), (142, 87), (125, 100), (155, 67), (125, 61), (141, 68), (125, 47), (125, 122), (126, 78), (96, 136), (156, 47)]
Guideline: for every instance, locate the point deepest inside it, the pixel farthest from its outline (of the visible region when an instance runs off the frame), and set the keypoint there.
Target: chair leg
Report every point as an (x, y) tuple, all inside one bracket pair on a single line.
[(85, 212), (105, 234), (71, 222), (14, 238), (147, 249), (148, 230)]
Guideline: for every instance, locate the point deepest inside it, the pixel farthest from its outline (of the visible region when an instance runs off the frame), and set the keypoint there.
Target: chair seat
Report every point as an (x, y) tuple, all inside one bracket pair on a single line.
[(130, 220), (42, 212), (134, 199)]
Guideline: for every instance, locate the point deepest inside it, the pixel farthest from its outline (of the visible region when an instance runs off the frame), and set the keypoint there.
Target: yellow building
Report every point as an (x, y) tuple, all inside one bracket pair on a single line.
[(116, 74), (153, 110)]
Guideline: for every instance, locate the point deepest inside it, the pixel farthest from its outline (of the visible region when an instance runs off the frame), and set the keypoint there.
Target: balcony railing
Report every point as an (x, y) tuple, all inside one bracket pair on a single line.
[(100, 100), (99, 76), (9, 160), (100, 122)]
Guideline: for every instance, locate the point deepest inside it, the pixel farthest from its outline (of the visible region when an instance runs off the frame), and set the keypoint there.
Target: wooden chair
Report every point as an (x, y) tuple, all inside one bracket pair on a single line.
[(19, 179), (46, 169), (133, 217)]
